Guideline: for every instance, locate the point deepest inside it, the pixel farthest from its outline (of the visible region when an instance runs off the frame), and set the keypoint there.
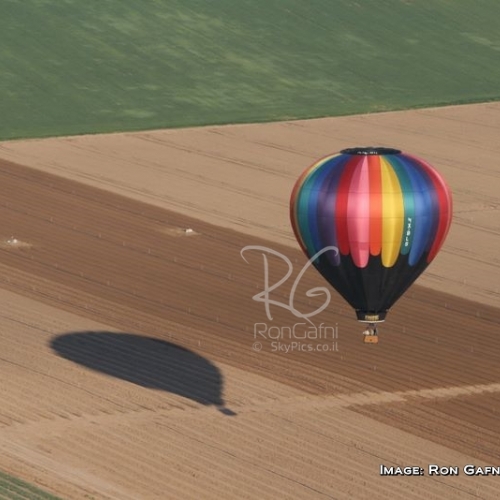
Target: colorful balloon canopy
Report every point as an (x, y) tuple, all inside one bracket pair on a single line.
[(382, 213)]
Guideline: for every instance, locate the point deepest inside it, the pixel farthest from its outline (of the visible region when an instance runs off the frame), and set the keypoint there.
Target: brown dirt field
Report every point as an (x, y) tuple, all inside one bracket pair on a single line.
[(240, 177), (469, 421), (87, 412)]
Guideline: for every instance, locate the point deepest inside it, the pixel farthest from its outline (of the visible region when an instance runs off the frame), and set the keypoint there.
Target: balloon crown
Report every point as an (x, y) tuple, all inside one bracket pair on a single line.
[(370, 150)]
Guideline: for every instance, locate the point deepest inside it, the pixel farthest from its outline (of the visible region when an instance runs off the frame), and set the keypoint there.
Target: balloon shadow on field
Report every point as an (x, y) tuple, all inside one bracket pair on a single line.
[(147, 362)]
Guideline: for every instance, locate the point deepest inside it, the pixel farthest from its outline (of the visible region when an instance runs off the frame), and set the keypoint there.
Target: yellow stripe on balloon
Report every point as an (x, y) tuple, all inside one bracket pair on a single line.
[(392, 214)]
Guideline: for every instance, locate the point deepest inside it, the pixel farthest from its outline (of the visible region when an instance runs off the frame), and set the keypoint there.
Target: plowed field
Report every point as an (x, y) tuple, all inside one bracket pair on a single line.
[(136, 365), (130, 367)]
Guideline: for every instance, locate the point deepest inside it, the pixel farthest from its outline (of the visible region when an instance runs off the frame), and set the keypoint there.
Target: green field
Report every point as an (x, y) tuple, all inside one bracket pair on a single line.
[(72, 66), (15, 489)]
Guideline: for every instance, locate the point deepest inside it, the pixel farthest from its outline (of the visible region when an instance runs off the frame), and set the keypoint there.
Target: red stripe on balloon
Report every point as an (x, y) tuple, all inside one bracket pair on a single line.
[(375, 182), (341, 205)]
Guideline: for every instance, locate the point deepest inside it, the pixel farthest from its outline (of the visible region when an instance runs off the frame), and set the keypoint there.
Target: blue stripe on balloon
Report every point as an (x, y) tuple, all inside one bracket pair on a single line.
[(304, 199), (315, 207), (326, 207), (302, 214), (433, 208), (311, 217), (310, 206), (307, 210), (401, 170), (422, 189)]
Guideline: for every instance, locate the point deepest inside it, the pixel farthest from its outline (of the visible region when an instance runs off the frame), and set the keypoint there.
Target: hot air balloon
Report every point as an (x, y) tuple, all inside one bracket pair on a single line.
[(382, 213)]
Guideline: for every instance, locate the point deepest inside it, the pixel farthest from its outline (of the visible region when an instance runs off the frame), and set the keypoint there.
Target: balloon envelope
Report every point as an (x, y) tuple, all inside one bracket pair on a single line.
[(386, 213)]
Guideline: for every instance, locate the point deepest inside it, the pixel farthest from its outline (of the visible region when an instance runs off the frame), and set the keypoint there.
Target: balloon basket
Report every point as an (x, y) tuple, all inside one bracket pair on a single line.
[(371, 339)]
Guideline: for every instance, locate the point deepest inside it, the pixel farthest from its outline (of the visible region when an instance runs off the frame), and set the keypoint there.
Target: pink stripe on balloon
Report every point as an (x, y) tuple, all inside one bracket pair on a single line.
[(358, 215)]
